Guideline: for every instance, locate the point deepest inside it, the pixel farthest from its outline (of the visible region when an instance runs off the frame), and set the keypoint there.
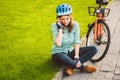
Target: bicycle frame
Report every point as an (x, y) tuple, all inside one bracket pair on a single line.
[(98, 34), (100, 14), (98, 27)]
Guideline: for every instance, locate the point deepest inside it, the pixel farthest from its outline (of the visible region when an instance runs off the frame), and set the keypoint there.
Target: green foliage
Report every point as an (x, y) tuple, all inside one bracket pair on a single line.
[(25, 37)]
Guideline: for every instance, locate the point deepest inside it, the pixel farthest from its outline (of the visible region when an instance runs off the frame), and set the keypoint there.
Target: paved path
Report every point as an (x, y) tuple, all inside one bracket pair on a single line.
[(109, 67)]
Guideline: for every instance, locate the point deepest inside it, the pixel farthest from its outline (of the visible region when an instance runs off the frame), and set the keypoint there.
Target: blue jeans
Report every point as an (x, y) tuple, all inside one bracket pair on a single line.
[(85, 54)]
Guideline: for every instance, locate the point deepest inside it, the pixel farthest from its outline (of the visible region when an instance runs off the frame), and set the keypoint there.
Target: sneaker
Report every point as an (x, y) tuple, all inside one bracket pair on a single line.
[(89, 69), (69, 71)]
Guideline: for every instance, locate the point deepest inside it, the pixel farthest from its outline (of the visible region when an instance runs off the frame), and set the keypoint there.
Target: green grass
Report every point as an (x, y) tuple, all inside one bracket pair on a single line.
[(25, 37)]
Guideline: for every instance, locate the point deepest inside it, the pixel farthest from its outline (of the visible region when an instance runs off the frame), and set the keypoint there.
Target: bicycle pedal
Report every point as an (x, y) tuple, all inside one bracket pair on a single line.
[(104, 42)]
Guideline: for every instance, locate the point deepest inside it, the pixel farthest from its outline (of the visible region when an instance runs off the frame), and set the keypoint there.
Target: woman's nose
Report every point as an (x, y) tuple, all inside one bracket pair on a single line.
[(65, 21)]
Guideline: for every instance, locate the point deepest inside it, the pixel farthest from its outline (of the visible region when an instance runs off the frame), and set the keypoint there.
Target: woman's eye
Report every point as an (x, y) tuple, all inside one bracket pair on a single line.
[(67, 18)]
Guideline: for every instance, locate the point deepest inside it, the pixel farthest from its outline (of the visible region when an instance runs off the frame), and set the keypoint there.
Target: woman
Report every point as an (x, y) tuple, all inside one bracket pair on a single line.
[(66, 44)]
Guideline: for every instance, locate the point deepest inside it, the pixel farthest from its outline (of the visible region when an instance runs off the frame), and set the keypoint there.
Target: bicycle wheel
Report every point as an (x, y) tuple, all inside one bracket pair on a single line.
[(102, 43)]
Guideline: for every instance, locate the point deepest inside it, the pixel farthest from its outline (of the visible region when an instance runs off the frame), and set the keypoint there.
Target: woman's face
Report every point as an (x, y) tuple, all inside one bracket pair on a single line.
[(65, 20)]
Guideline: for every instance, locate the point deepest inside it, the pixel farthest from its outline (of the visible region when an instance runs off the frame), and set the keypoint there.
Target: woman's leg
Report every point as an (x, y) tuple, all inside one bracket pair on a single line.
[(64, 59), (86, 53)]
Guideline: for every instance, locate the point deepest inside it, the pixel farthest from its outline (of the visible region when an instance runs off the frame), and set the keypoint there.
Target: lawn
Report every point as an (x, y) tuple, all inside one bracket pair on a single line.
[(25, 37)]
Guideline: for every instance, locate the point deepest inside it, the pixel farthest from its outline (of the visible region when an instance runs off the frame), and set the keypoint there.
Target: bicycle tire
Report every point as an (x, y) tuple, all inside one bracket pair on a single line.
[(107, 43)]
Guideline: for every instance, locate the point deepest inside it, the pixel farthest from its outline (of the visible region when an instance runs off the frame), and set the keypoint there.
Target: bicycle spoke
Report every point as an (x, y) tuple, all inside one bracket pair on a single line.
[(104, 36)]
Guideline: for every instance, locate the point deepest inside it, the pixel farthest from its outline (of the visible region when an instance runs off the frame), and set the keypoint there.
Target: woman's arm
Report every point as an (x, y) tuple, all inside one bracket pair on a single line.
[(58, 40), (76, 46), (78, 64)]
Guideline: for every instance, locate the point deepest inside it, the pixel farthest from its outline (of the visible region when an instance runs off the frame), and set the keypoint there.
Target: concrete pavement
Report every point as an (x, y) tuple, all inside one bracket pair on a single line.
[(109, 67)]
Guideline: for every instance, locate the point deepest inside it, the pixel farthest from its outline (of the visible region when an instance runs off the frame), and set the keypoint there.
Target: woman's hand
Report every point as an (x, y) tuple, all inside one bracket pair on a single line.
[(59, 25), (78, 63)]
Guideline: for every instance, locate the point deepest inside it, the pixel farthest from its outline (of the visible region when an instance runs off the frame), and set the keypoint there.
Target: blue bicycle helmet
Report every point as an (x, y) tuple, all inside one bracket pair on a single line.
[(63, 9)]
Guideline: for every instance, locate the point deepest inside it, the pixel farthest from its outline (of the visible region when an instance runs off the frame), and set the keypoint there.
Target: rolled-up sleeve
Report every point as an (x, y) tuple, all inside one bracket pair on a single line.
[(77, 34), (54, 31)]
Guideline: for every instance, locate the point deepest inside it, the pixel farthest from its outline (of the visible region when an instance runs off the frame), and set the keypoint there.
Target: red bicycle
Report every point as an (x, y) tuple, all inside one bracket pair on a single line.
[(98, 34)]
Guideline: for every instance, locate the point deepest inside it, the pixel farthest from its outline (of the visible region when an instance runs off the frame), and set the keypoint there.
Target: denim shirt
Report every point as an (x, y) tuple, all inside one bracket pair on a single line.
[(68, 38)]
